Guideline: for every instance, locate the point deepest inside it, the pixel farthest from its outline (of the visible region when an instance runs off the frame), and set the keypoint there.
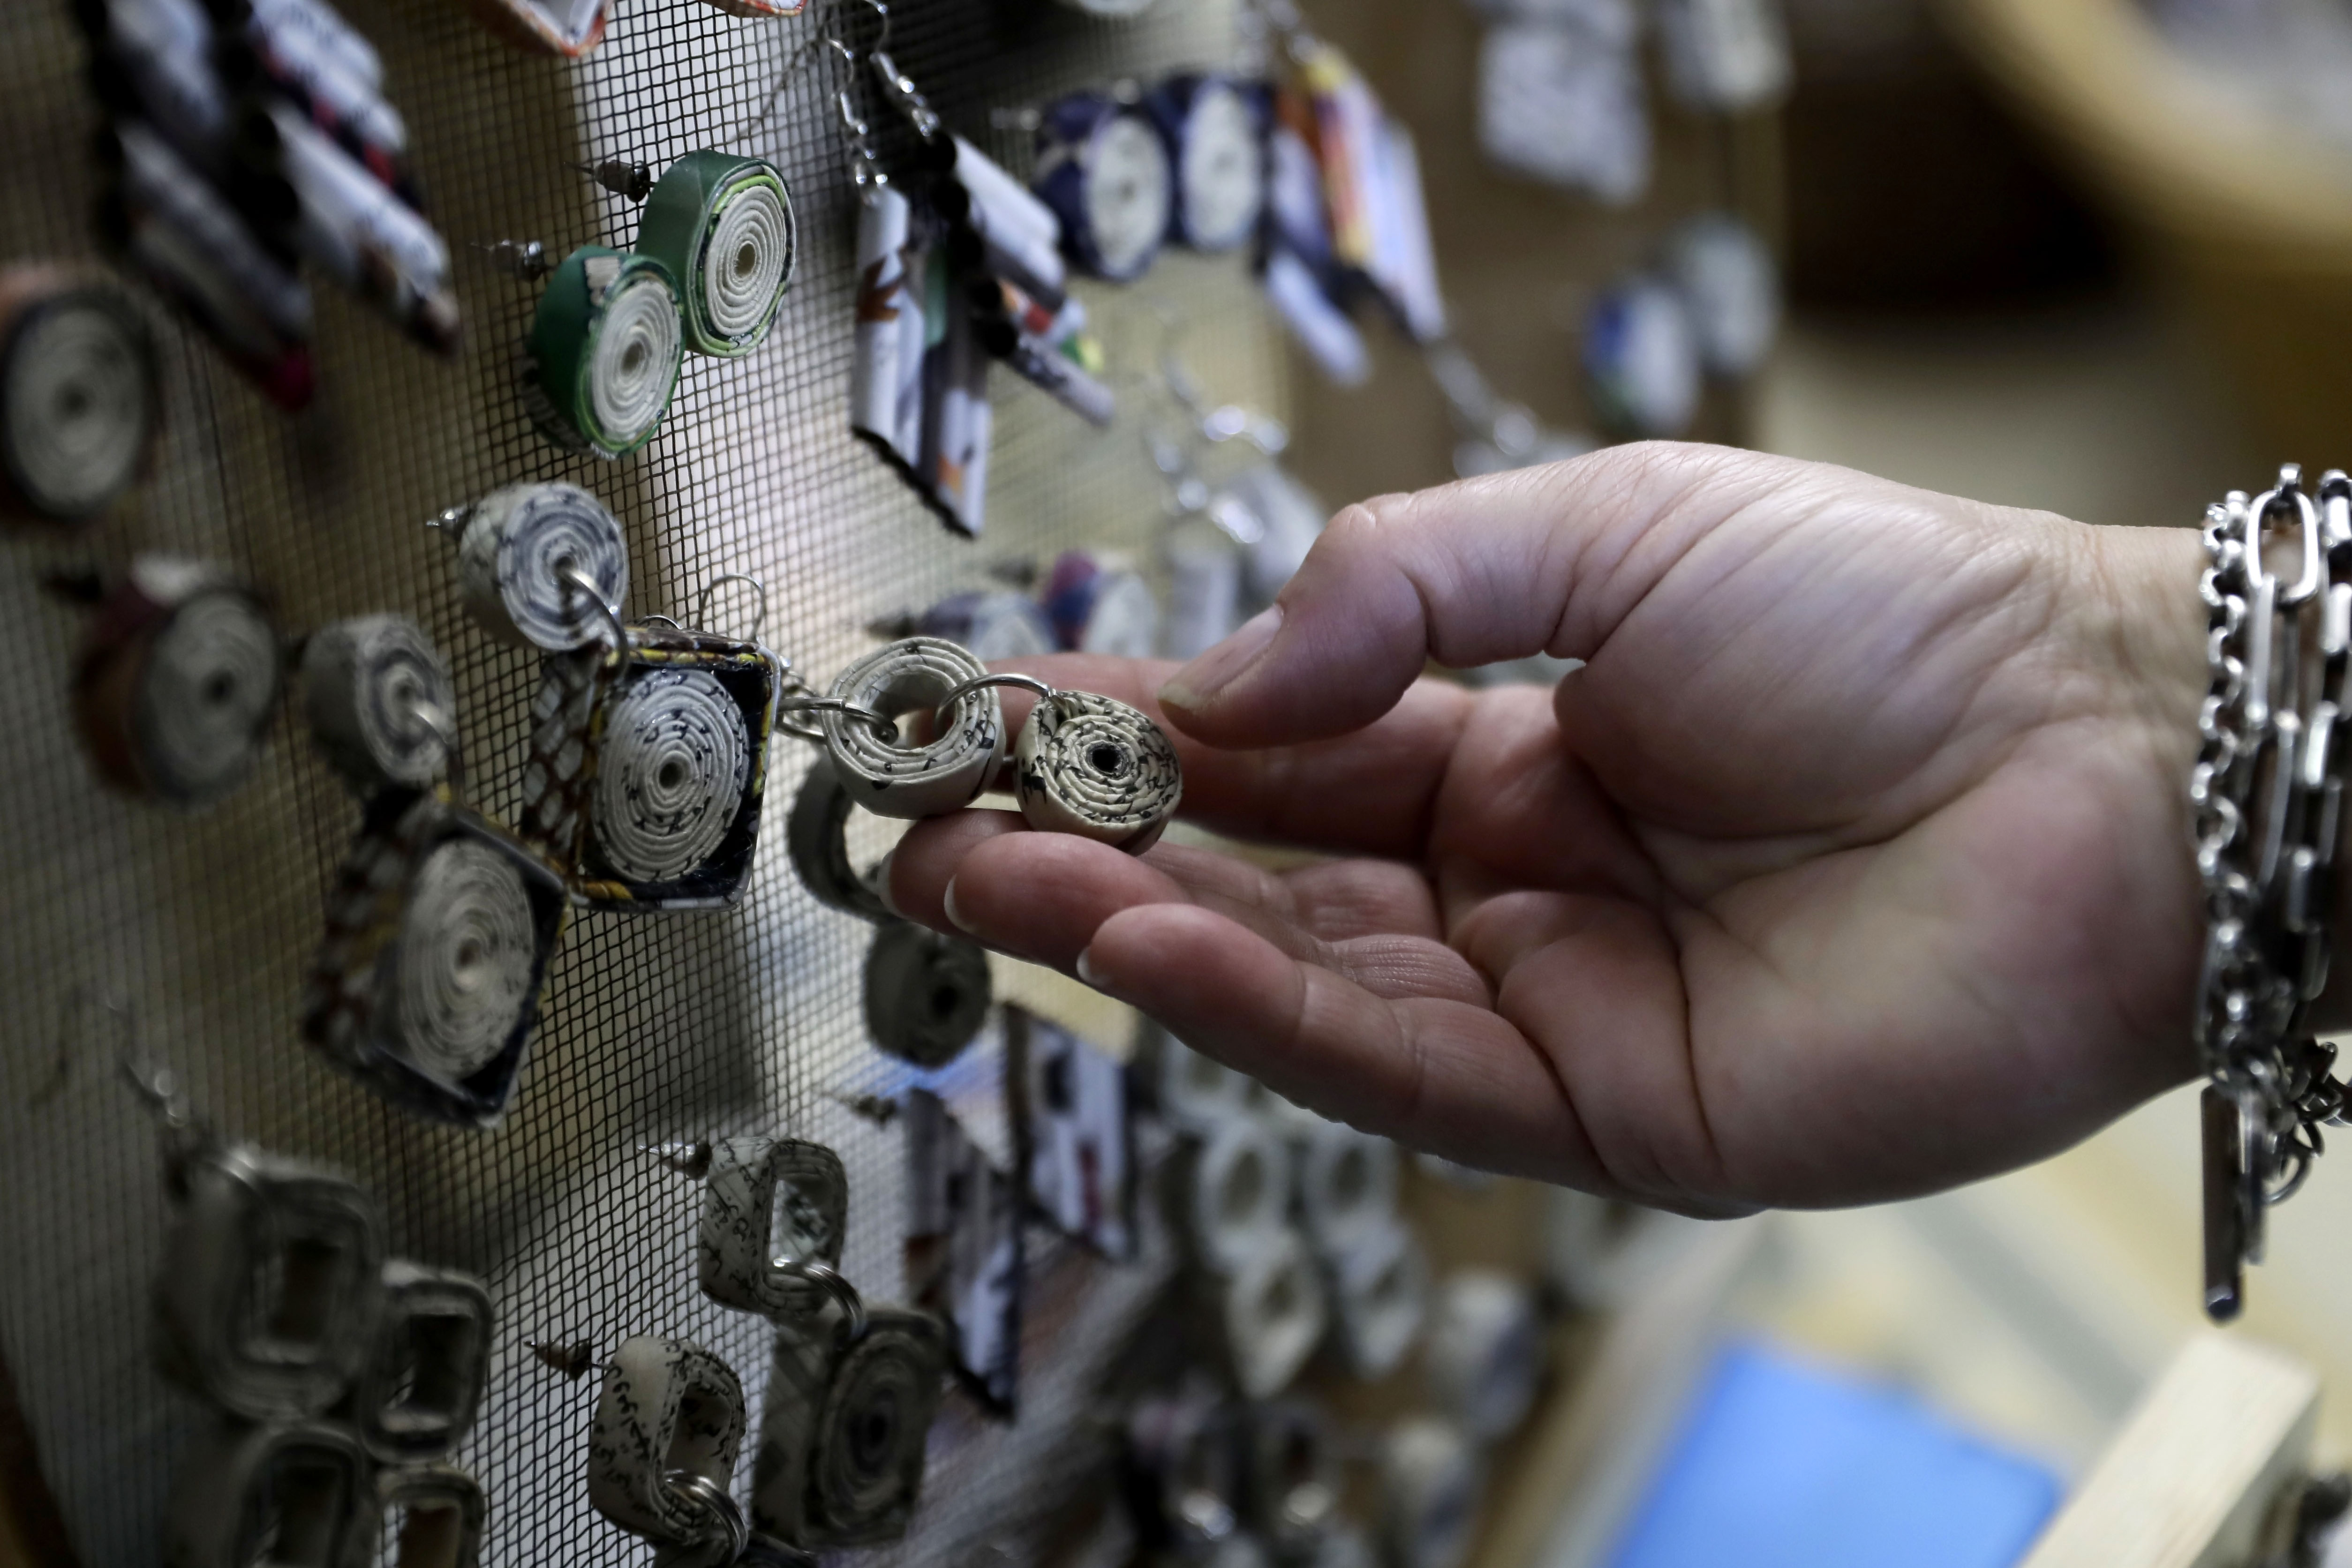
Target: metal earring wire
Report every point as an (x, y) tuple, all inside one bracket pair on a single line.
[(710, 590)]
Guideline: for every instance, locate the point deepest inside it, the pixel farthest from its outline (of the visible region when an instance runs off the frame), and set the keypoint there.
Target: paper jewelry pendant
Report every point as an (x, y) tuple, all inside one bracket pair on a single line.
[(511, 557), (1216, 133), (79, 403), (843, 1436), (648, 768), (569, 29), (1103, 169), (818, 832), (177, 683), (603, 356), (369, 687), (1275, 1315), (271, 1286), (439, 931), (723, 227), (1094, 766), (912, 782)]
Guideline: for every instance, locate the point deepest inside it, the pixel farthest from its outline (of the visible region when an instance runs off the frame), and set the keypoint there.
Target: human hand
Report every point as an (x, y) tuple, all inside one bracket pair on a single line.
[(1852, 864)]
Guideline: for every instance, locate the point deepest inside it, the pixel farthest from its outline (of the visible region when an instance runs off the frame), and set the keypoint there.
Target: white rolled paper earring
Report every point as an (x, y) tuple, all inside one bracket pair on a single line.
[(841, 1439), (379, 700), (856, 720), (774, 1211), (249, 1487), (661, 1456), (1090, 765), (271, 1286)]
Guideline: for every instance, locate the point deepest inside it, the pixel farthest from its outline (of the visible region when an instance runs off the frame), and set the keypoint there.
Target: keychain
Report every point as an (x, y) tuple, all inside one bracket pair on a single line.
[(79, 407), (775, 1214), (1731, 55), (648, 760), (661, 1456), (1484, 1356), (722, 227), (965, 1248), (1214, 128), (1432, 1482), (1094, 767), (176, 681), (602, 360), (1106, 174)]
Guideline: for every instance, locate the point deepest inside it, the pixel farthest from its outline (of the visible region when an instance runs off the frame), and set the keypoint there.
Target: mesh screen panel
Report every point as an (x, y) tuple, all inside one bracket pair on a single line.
[(655, 1029)]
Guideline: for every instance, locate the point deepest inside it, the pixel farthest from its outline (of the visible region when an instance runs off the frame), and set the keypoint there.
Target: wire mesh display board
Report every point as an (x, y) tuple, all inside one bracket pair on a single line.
[(655, 1029)]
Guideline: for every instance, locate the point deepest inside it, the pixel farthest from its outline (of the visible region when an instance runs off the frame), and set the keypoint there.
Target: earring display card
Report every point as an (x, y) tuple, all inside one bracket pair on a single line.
[(704, 1027)]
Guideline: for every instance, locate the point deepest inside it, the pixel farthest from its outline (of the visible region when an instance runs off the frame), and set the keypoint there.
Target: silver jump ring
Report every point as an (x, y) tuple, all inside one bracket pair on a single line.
[(710, 590), (569, 574), (1026, 682), (715, 1501), (885, 727), (830, 1278), (434, 717)]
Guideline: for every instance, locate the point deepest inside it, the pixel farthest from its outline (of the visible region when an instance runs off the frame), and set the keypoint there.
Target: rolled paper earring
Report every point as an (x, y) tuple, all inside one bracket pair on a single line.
[(178, 679), (604, 353), (378, 699), (520, 547), (79, 407), (723, 226), (669, 1424), (912, 782), (1090, 766)]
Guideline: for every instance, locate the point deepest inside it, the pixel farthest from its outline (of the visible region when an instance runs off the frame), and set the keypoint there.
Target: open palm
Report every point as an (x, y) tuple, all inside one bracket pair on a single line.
[(1852, 864)]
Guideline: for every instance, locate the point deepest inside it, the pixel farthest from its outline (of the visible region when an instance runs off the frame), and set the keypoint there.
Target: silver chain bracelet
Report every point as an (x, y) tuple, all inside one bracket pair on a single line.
[(2266, 795)]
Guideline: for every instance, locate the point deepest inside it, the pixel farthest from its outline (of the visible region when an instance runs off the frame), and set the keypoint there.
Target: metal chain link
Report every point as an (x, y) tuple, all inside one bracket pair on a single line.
[(2265, 797)]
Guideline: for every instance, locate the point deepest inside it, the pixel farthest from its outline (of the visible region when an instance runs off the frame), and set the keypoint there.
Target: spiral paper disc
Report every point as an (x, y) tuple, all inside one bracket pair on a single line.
[(1099, 769), (78, 400), (1220, 170), (204, 697), (893, 780), (510, 562), (670, 778), (464, 961), (365, 683)]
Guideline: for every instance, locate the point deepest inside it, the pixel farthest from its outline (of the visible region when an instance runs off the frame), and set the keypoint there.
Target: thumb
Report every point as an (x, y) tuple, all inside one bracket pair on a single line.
[(1539, 561)]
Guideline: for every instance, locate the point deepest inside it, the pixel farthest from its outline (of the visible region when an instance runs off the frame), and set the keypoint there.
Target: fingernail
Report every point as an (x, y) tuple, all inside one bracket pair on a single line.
[(1197, 684), (880, 879), (955, 917), (1086, 971)]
